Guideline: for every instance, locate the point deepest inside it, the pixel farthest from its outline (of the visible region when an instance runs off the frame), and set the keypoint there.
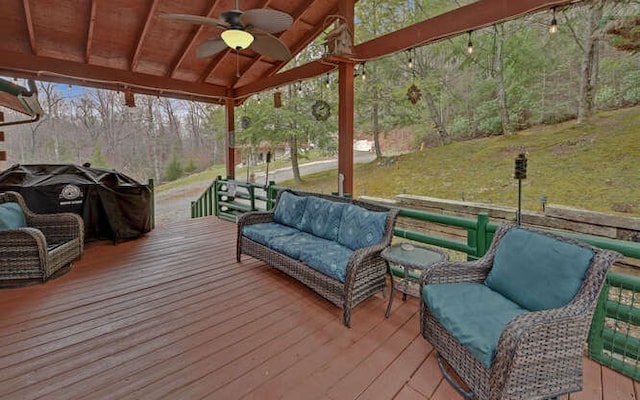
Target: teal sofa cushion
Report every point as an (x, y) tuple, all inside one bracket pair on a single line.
[(472, 313), (11, 216), (290, 209), (263, 233), (291, 245), (360, 227), (537, 271), (329, 258), (322, 217)]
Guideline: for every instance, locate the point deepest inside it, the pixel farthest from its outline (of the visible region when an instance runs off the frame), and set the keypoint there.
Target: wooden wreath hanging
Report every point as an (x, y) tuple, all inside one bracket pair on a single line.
[(414, 94)]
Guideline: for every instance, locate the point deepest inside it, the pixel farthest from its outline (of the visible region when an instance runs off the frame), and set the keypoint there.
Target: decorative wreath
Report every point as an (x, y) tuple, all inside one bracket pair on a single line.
[(414, 94), (321, 110)]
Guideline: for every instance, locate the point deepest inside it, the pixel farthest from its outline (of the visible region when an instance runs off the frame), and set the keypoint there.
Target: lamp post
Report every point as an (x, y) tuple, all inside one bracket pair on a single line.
[(520, 174)]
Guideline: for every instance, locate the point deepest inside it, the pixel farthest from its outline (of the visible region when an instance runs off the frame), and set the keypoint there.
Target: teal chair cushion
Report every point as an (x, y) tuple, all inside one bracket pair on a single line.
[(537, 271), (360, 227), (11, 216), (291, 245), (472, 313), (290, 209), (322, 217)]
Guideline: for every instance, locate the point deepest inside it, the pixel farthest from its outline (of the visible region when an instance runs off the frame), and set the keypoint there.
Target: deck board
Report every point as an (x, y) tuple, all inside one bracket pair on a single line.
[(173, 315)]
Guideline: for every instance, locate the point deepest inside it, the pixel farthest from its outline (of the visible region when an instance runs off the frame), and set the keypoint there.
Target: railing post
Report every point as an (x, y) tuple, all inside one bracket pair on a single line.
[(216, 185), (481, 231), (595, 340), (193, 209), (252, 197)]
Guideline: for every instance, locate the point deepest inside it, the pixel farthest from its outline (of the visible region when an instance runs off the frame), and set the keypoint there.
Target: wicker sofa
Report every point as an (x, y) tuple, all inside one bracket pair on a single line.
[(35, 247), (513, 324), (331, 244)]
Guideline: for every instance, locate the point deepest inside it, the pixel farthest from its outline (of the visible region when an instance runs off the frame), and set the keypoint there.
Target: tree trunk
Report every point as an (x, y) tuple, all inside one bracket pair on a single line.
[(590, 63), (295, 168), (436, 117), (375, 109), (499, 77)]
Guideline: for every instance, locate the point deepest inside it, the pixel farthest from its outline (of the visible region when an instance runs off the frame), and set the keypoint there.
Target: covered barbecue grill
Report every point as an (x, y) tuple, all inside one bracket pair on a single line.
[(112, 205)]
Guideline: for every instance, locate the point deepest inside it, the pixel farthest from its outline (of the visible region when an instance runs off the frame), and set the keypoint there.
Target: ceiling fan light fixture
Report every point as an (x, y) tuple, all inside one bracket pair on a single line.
[(237, 39)]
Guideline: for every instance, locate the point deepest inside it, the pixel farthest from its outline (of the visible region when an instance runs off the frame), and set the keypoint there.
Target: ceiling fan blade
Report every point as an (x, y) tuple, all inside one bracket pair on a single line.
[(270, 21), (210, 47), (268, 45), (196, 19)]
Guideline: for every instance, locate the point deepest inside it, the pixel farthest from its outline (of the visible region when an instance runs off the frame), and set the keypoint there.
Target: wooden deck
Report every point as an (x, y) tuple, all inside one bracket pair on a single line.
[(172, 315)]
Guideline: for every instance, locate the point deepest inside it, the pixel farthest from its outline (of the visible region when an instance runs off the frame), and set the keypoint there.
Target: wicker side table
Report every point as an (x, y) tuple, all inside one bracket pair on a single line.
[(411, 259)]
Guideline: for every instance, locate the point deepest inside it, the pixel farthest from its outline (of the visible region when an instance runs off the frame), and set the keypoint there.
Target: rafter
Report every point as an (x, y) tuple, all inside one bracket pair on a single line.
[(187, 48), (29, 22), (136, 54), (65, 71), (479, 14), (90, 28), (306, 71)]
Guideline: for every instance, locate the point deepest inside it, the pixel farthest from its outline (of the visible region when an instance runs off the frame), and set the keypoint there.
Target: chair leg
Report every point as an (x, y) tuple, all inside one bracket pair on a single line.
[(452, 382)]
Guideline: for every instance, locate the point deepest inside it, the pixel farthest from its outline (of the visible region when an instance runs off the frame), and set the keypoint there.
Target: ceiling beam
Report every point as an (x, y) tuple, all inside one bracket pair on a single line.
[(143, 33), (29, 22), (479, 14), (187, 48), (56, 70), (90, 28), (300, 73)]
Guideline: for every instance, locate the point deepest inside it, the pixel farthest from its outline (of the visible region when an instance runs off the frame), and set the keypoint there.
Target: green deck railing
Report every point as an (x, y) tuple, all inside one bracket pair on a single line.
[(614, 339)]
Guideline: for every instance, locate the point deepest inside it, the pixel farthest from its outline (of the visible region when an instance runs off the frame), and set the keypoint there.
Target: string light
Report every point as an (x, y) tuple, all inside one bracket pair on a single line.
[(553, 27), (469, 44), (410, 62), (326, 82), (364, 73)]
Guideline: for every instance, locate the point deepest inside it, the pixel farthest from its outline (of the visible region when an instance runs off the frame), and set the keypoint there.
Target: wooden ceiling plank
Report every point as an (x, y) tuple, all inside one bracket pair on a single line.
[(53, 69), (187, 48), (90, 30), (143, 33), (29, 22), (473, 16)]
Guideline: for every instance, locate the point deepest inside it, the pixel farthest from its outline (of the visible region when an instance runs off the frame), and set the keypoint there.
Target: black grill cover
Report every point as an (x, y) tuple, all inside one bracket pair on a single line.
[(111, 204)]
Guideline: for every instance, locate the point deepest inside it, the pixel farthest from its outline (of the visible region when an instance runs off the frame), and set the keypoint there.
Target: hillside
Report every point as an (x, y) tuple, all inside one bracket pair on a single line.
[(595, 167)]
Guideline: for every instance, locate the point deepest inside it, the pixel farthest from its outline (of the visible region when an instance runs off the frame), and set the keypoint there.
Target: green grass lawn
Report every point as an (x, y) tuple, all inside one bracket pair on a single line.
[(594, 167)]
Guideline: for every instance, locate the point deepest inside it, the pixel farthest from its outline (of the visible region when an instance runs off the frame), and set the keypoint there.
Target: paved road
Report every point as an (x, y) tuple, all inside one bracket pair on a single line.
[(173, 205), (282, 174)]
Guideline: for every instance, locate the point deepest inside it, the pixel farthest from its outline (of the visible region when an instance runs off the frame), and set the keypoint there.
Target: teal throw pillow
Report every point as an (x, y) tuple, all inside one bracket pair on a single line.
[(11, 216), (290, 209), (360, 227), (537, 271), (322, 217)]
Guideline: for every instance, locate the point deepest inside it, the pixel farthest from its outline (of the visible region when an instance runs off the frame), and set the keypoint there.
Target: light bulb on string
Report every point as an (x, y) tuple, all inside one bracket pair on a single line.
[(553, 27), (469, 44), (364, 73)]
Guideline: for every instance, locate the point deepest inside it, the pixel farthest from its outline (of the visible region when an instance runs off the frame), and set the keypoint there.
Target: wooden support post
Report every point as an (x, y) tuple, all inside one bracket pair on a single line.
[(3, 153), (345, 112), (230, 139)]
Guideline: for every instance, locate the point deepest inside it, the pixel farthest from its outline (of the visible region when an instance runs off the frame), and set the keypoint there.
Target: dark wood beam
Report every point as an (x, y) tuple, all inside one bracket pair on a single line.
[(479, 14), (90, 28), (29, 22), (135, 57), (64, 71), (188, 47), (306, 71), (346, 101)]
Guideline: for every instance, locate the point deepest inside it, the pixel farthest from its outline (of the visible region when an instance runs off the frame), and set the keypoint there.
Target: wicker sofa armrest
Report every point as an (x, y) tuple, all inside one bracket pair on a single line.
[(58, 228)]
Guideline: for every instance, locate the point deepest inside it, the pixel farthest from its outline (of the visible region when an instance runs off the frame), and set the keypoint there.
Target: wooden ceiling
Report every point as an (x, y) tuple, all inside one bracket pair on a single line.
[(119, 44)]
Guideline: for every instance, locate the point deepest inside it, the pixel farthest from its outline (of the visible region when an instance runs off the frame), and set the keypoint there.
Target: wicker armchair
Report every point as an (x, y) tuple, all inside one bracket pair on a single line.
[(42, 250), (537, 352)]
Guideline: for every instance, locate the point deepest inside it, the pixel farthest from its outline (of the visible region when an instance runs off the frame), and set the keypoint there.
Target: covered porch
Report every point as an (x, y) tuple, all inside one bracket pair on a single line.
[(173, 315)]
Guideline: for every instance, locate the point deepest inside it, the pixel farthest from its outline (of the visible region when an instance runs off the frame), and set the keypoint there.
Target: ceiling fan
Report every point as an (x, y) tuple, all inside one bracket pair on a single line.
[(243, 29)]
